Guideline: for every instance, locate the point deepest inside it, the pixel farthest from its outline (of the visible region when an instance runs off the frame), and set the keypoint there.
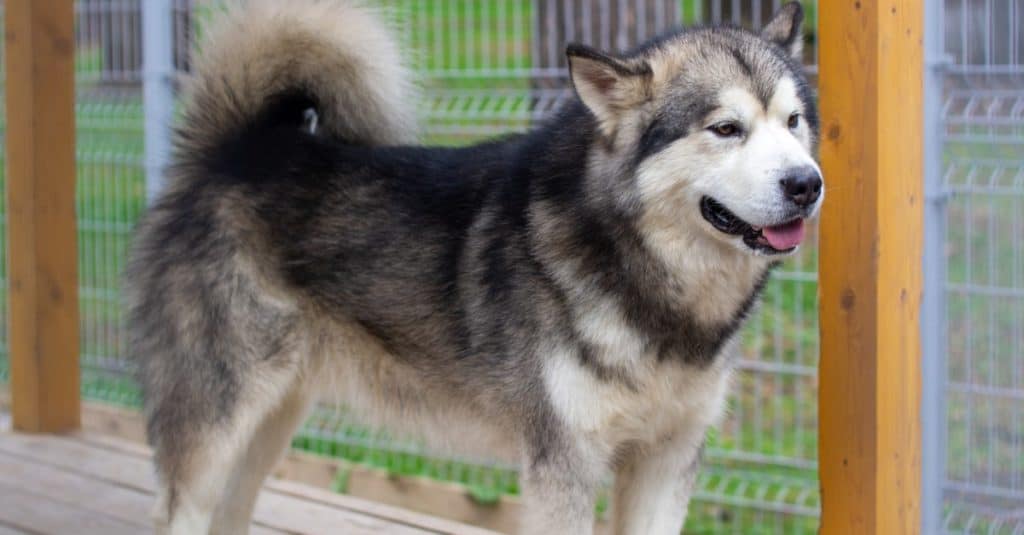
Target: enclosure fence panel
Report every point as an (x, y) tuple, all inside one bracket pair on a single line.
[(980, 61), (110, 185), (489, 67)]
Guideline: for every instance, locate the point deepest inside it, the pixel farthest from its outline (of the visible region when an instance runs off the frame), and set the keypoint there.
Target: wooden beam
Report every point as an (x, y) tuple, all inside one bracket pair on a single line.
[(871, 88), (43, 274)]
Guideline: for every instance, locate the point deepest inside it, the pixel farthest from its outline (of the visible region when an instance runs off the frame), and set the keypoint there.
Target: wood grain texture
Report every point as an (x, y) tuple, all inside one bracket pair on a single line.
[(51, 483), (871, 88), (42, 243), (6, 529), (41, 514), (433, 504)]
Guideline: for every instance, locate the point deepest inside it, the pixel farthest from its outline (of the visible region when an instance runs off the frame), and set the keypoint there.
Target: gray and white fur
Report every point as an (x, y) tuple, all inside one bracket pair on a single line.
[(568, 298)]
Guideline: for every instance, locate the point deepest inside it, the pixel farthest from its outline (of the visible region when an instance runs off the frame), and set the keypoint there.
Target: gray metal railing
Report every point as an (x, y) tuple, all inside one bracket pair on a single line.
[(974, 265)]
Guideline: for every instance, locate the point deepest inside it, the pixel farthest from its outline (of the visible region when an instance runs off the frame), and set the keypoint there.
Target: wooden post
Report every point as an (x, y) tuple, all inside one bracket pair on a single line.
[(43, 273), (871, 88)]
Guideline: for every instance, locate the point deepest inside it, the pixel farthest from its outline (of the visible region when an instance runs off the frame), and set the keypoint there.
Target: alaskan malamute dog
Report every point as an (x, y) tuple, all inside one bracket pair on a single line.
[(569, 297)]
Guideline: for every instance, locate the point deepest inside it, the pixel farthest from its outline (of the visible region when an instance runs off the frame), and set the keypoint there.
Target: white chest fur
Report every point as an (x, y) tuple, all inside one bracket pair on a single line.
[(657, 399)]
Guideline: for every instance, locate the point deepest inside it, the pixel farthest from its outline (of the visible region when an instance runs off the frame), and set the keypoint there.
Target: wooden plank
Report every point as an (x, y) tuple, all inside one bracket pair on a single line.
[(39, 513), (42, 270), (404, 494), (870, 81), (281, 511), (127, 424), (11, 530), (121, 430), (304, 491), (319, 472), (115, 444), (379, 510), (101, 497), (300, 516), (70, 455), (282, 495)]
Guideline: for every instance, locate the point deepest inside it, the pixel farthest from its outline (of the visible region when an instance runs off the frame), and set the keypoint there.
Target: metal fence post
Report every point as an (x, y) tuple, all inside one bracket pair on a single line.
[(158, 88), (933, 311)]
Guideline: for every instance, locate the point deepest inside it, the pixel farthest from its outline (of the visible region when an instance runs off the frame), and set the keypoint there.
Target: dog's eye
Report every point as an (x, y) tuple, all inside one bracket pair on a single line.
[(794, 120), (726, 129)]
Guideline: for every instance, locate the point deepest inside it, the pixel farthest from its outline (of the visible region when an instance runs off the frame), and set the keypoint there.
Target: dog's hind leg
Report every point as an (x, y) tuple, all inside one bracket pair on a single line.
[(201, 446), (272, 437)]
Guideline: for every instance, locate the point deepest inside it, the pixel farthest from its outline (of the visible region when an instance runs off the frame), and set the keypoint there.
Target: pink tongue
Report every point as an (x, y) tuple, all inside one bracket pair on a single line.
[(785, 236)]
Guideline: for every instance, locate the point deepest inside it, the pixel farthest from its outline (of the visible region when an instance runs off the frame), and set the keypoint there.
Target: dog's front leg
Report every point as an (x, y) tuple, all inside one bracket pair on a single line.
[(653, 485), (559, 490)]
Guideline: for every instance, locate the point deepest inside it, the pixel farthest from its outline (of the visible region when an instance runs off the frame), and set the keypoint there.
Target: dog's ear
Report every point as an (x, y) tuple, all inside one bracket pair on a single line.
[(607, 85), (786, 29)]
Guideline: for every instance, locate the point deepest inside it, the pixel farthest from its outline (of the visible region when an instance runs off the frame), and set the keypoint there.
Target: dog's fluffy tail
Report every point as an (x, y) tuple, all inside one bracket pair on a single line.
[(264, 58)]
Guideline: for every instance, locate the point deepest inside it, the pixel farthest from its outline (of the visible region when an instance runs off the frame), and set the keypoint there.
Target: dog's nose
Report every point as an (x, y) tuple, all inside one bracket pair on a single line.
[(802, 186)]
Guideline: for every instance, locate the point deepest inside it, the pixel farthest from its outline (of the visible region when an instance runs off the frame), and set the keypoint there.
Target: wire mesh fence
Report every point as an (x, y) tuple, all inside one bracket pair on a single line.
[(492, 66), (110, 183), (982, 116)]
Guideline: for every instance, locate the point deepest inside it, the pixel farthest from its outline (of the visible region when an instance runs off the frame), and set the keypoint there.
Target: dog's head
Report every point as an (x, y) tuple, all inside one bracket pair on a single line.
[(716, 128)]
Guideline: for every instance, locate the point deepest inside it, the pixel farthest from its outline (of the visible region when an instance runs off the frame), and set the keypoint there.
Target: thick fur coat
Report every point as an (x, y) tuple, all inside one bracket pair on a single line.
[(568, 298)]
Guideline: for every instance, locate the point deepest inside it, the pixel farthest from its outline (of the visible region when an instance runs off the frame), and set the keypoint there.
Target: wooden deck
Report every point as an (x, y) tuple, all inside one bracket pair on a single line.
[(92, 484)]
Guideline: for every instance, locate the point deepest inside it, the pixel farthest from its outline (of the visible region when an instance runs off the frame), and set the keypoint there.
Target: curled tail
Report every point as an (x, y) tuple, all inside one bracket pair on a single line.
[(335, 55)]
